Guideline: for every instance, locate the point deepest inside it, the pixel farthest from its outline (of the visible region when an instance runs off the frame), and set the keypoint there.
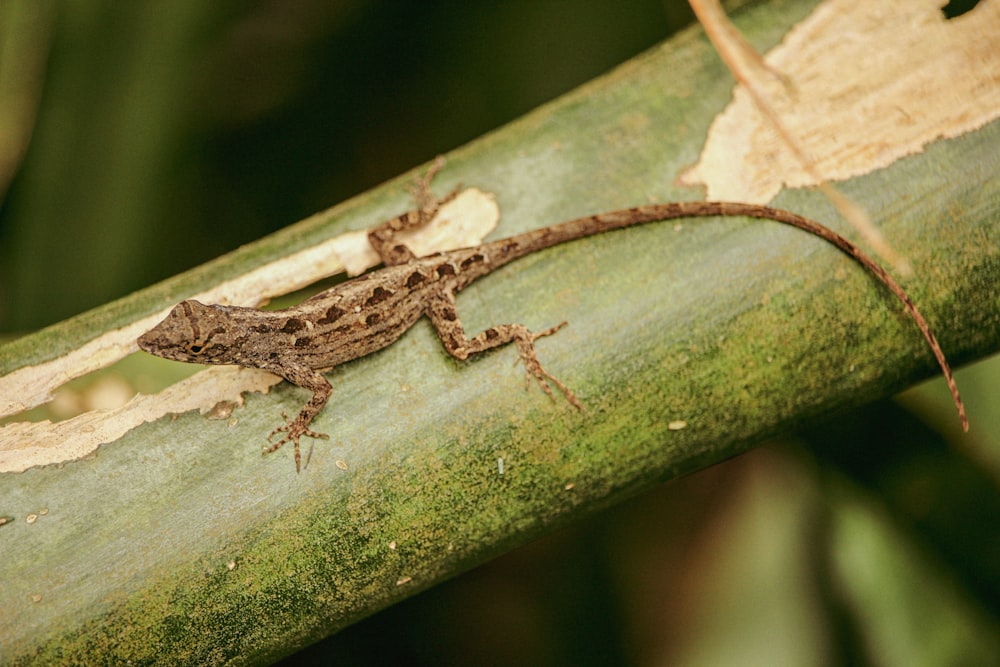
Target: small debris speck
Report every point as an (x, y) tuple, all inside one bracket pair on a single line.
[(569, 487), (677, 425), (32, 518), (342, 464), (35, 597), (403, 580), (231, 565), (500, 465), (392, 545)]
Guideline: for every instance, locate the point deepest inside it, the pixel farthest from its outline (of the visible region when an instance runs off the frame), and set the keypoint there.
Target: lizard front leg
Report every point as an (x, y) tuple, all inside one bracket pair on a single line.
[(307, 378), (443, 315)]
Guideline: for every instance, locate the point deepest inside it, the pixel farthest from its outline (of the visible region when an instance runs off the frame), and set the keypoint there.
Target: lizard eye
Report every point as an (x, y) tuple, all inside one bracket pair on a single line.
[(202, 343)]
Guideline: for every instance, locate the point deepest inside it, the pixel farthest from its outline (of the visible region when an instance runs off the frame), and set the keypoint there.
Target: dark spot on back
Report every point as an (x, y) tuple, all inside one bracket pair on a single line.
[(379, 294), (292, 325), (445, 269), (474, 259), (332, 315), (415, 279), (373, 319)]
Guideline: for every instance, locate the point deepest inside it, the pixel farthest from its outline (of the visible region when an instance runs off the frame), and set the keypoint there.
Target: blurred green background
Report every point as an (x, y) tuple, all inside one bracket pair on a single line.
[(159, 135), (140, 139)]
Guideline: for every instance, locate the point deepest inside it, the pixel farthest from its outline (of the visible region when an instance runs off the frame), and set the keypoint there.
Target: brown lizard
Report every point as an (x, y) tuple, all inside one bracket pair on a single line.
[(372, 311)]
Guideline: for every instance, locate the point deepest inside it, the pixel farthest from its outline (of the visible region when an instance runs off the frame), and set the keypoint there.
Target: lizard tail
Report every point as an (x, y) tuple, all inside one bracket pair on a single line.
[(506, 250)]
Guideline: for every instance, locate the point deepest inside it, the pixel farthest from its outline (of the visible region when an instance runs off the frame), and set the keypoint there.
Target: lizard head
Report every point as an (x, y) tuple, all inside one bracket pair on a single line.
[(192, 332)]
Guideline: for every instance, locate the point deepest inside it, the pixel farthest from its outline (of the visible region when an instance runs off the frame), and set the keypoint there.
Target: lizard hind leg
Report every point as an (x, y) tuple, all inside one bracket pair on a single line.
[(442, 314), (383, 237), (460, 347), (421, 188)]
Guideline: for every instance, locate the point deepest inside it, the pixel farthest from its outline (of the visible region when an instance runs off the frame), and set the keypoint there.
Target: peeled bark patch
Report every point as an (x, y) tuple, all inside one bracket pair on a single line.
[(870, 83)]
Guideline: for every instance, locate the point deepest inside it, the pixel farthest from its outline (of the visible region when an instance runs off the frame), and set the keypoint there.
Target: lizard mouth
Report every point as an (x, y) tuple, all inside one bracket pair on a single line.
[(145, 342)]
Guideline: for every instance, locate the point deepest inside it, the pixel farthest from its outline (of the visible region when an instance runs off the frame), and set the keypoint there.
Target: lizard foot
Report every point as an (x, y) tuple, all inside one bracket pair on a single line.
[(295, 429), (534, 369), (427, 203), (421, 188)]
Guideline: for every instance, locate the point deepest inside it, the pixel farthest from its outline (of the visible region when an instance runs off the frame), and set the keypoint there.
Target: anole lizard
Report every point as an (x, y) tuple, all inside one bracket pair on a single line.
[(372, 311)]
